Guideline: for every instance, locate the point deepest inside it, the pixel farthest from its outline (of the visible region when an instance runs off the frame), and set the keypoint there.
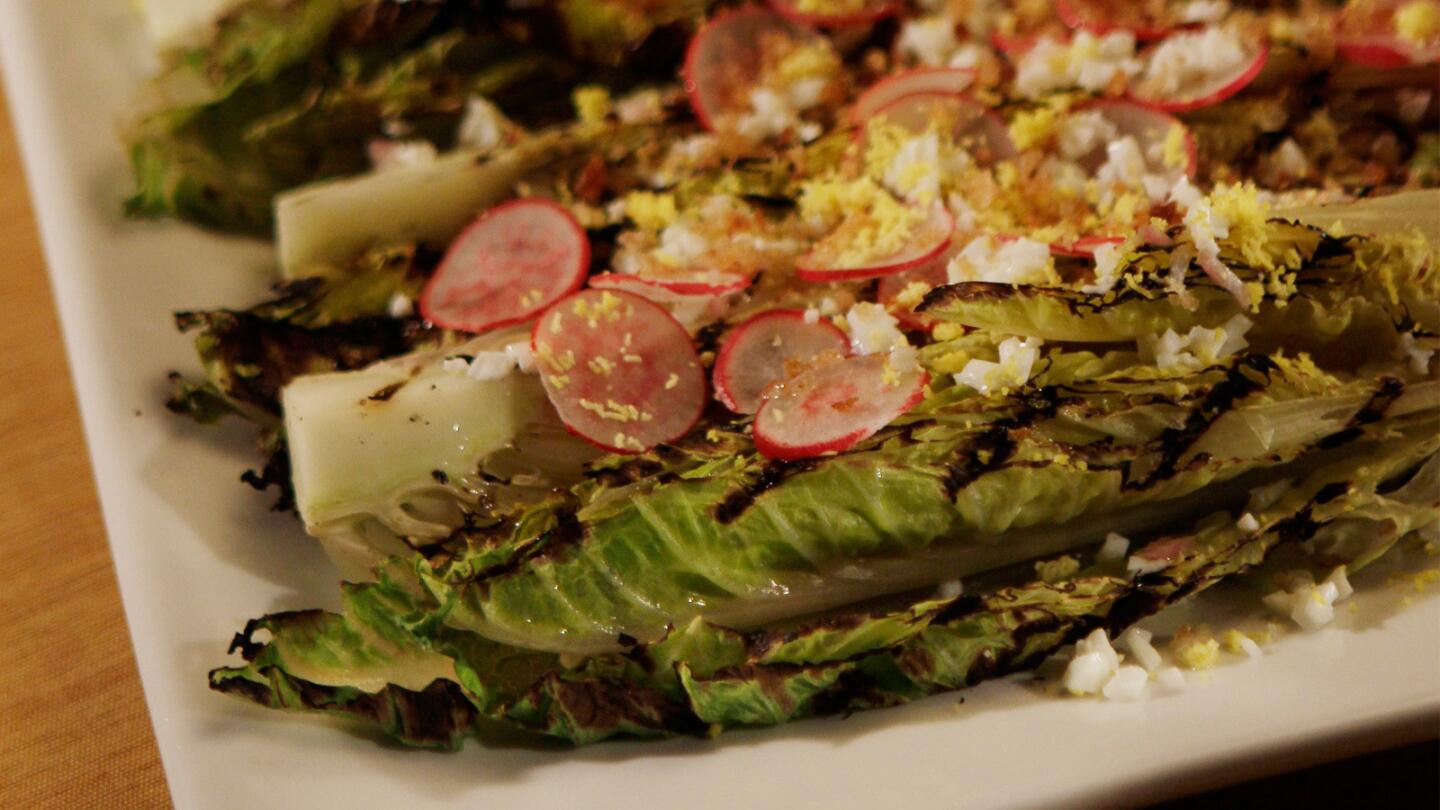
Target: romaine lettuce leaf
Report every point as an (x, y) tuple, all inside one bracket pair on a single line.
[(701, 677)]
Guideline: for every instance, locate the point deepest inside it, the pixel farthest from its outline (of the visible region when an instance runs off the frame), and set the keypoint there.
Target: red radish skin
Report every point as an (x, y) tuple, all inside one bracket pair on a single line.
[(832, 407), (931, 240), (932, 275), (1224, 89), (622, 373), (1012, 45), (1379, 46), (1384, 53), (947, 81), (723, 58), (1375, 52), (506, 267), (763, 350), (874, 12), (1082, 15), (641, 285)]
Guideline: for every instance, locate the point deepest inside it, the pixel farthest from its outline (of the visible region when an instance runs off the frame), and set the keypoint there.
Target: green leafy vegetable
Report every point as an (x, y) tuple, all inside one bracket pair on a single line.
[(702, 677)]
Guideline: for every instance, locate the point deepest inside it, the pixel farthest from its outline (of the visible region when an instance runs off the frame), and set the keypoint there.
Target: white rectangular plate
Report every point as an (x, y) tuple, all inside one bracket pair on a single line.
[(197, 555)]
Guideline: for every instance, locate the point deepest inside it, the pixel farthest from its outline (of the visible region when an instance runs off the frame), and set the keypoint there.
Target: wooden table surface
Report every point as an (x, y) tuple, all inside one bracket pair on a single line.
[(74, 731)]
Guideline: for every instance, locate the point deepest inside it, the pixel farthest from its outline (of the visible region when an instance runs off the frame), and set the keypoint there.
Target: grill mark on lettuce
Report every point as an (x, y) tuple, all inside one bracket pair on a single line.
[(439, 716), (597, 708), (262, 354), (772, 475), (1249, 374), (1398, 481), (1373, 411)]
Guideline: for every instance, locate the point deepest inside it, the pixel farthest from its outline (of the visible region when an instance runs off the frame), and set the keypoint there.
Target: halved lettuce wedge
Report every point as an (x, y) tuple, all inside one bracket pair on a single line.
[(702, 677)]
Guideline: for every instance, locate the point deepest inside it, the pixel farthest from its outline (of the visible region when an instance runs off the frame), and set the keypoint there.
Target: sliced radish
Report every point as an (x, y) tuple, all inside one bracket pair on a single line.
[(831, 407), (1013, 45), (1213, 90), (931, 275), (1101, 18), (697, 284), (943, 80), (507, 267), (870, 11), (1366, 35), (723, 60), (977, 128), (620, 371), (826, 261), (771, 348), (1150, 127)]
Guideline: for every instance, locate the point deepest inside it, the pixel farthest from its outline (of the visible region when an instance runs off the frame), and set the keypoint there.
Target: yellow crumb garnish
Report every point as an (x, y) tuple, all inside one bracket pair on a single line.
[(868, 222), (1032, 128), (912, 295), (948, 331), (592, 103), (830, 6), (1057, 569), (1234, 640), (1239, 205), (814, 61), (650, 210), (1418, 22), (1195, 648), (1176, 156)]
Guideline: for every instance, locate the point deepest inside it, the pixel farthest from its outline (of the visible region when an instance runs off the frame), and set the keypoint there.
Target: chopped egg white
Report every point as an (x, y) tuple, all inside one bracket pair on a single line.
[(1126, 168), (1114, 548), (1184, 194), (1309, 604), (493, 365), (770, 114), (1088, 62), (1084, 132), (915, 171), (1196, 349), (400, 306), (1341, 580), (1204, 11), (1136, 642), (1183, 65), (1288, 159), (1093, 664), (1171, 678), (1107, 269), (387, 155), (681, 244), (1417, 356), (641, 107), (1013, 369), (1128, 683), (968, 55), (873, 330), (928, 40), (1140, 566), (1247, 523), (482, 126), (1013, 261), (812, 316)]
